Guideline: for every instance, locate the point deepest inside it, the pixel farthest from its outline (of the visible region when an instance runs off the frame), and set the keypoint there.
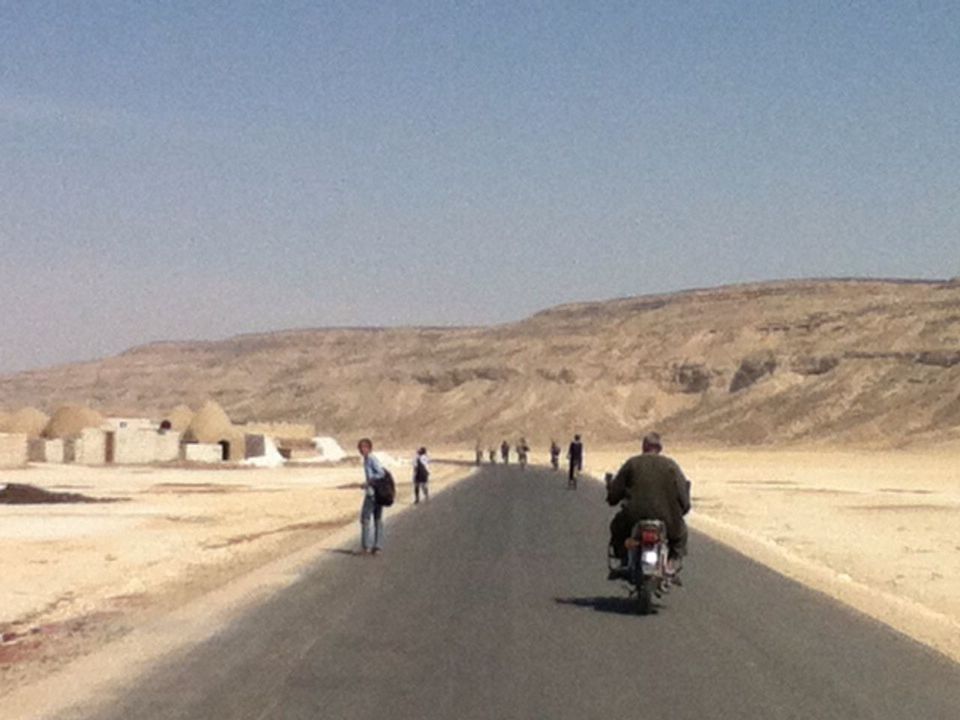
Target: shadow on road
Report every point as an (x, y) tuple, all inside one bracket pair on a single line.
[(617, 605)]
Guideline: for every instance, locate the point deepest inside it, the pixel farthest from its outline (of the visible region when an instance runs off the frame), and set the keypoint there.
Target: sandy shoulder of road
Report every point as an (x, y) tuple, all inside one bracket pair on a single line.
[(78, 576), (879, 531)]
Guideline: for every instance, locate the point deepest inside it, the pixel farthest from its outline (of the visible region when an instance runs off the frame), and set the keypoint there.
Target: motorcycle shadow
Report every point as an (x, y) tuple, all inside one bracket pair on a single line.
[(616, 605)]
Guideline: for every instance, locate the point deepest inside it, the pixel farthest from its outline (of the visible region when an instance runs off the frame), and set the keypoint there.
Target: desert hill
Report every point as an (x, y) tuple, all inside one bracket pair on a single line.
[(842, 360)]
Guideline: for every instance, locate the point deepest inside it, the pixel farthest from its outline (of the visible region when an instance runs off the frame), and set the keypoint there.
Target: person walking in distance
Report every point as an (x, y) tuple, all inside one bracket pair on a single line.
[(421, 474), (493, 456), (575, 457), (371, 513), (555, 454), (522, 450), (505, 452), (479, 452)]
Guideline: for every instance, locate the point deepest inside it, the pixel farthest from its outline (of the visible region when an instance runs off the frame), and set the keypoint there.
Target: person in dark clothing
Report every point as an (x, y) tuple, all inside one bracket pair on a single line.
[(522, 450), (505, 452), (554, 454), (651, 486), (575, 456), (493, 456), (421, 475)]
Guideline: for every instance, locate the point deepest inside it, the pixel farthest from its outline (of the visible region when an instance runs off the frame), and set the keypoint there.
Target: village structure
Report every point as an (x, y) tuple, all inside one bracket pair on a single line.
[(83, 436)]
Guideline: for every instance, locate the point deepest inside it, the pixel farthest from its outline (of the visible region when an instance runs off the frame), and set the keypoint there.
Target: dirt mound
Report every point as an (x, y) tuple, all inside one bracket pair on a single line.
[(71, 420), (17, 494)]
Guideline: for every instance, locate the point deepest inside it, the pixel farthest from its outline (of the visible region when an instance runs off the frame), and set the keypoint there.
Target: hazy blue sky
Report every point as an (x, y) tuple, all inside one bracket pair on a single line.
[(197, 169)]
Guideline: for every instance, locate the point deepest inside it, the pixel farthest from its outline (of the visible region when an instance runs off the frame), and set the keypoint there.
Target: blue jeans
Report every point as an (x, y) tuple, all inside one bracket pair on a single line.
[(371, 537)]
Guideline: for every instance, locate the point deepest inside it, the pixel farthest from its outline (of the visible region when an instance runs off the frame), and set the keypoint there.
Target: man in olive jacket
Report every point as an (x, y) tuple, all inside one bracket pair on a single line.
[(654, 488)]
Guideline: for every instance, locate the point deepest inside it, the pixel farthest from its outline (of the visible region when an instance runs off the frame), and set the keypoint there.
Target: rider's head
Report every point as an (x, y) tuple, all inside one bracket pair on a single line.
[(365, 446), (652, 443)]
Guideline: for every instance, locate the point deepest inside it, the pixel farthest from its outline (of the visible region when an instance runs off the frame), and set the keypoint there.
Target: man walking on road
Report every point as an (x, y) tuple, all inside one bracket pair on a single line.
[(575, 456), (421, 474), (505, 452), (371, 539)]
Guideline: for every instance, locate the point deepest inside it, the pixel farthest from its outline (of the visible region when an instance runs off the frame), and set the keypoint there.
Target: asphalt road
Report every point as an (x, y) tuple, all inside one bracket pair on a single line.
[(492, 602)]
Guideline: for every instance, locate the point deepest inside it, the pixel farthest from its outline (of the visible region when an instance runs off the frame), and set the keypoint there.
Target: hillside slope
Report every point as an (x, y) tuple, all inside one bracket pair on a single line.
[(859, 361)]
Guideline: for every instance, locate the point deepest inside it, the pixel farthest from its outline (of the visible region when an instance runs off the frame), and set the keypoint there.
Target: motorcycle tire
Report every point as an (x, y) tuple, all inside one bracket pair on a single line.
[(645, 597)]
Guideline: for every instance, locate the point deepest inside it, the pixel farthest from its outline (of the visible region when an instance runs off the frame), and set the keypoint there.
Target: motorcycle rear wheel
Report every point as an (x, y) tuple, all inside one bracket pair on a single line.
[(645, 596)]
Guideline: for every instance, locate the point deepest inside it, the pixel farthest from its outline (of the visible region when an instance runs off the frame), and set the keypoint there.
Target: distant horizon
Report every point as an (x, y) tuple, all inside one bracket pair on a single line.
[(454, 326)]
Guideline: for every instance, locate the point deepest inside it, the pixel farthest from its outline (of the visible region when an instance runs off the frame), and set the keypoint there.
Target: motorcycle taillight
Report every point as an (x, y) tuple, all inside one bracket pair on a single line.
[(649, 537)]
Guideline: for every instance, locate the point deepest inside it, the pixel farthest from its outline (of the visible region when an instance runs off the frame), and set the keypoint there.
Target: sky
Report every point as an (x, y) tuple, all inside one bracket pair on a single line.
[(183, 170)]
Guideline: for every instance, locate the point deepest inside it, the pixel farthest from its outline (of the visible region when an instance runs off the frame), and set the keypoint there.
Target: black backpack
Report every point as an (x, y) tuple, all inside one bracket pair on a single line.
[(385, 489)]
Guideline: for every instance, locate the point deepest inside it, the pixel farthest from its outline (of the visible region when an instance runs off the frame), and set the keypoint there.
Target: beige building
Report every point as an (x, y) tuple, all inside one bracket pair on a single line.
[(89, 447), (211, 426), (141, 445), (46, 451), (13, 450)]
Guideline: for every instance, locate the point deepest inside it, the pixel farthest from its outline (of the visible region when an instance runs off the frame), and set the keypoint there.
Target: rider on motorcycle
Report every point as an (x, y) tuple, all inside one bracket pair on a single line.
[(651, 487)]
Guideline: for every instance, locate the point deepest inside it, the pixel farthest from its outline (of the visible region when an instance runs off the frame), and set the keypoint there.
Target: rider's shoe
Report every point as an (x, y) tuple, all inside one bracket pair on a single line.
[(674, 565), (620, 573)]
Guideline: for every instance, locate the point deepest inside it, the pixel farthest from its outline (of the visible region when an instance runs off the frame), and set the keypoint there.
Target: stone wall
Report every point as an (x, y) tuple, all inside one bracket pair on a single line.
[(281, 430), (47, 451), (203, 452), (168, 446), (13, 449), (91, 447)]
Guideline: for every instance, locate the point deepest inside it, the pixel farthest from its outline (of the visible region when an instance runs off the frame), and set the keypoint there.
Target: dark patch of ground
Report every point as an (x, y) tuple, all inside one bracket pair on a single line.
[(17, 494)]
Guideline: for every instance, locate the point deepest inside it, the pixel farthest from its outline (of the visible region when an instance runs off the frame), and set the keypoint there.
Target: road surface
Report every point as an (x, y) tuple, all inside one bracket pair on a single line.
[(491, 602)]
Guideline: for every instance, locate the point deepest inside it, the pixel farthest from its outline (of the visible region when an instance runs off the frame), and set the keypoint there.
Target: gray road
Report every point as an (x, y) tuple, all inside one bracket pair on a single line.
[(492, 602)]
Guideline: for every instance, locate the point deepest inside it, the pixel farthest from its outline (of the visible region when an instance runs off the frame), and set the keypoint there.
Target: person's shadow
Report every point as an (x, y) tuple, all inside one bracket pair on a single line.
[(617, 605)]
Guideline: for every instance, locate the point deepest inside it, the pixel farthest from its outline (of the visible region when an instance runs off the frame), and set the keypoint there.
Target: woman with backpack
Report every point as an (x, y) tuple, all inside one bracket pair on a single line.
[(421, 474)]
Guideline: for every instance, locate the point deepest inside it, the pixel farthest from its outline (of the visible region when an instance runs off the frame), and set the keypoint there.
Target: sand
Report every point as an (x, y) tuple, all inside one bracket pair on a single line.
[(76, 576), (877, 530)]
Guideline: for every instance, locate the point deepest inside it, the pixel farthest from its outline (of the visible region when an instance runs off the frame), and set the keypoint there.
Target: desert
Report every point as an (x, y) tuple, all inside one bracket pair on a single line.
[(817, 421), (270, 272)]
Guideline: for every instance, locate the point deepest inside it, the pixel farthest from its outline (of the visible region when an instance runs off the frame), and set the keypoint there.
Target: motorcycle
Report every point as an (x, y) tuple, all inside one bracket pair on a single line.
[(647, 571)]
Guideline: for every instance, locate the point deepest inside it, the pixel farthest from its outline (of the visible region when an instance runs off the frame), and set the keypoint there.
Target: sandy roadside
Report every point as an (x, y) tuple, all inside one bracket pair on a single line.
[(878, 530), (78, 577)]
